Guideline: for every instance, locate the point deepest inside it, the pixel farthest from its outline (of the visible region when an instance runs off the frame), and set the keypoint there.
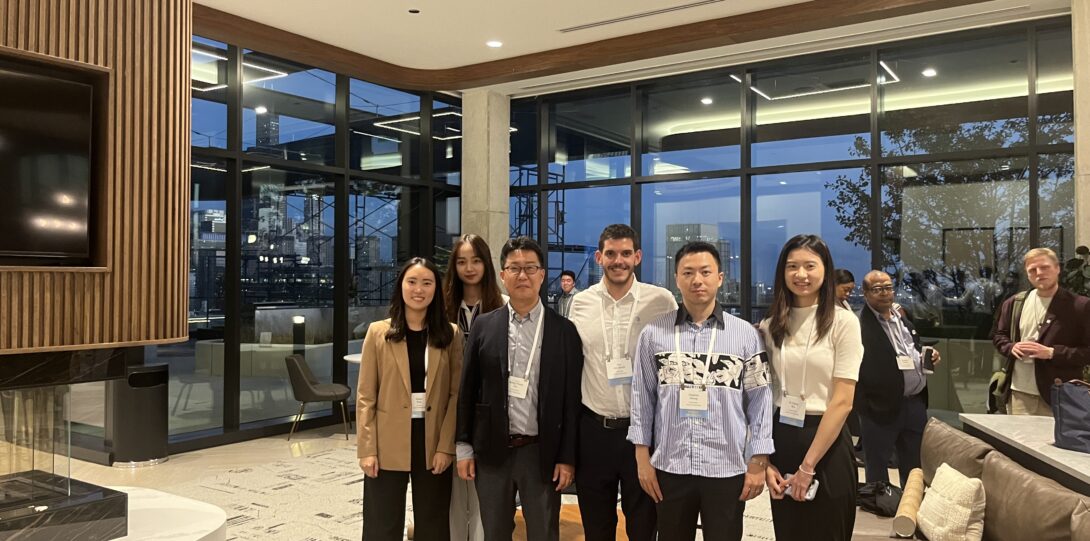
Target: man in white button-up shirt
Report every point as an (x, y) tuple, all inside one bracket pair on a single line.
[(609, 316)]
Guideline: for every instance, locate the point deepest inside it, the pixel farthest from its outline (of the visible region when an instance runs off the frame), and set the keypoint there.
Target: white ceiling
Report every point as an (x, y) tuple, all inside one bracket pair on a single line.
[(447, 34)]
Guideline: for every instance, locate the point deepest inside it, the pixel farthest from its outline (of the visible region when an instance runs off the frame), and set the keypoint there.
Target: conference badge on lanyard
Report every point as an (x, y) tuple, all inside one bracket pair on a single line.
[(418, 399), (693, 401), (793, 411), (519, 387), (619, 370)]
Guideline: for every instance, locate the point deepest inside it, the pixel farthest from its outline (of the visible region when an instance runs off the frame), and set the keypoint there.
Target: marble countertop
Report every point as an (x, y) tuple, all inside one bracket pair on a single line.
[(1033, 435), (154, 514)]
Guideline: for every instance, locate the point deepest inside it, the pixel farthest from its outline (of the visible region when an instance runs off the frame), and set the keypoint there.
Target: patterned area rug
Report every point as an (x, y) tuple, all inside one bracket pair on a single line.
[(318, 497)]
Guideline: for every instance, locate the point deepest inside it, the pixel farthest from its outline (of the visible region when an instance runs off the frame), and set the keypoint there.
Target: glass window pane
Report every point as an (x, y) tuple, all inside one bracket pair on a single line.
[(287, 285), (675, 213), (813, 113), (834, 204), (382, 226), (446, 135), (592, 139), (945, 98), (692, 127), (1056, 192), (954, 234), (1055, 84), (208, 79), (523, 143), (384, 127), (288, 109), (576, 218), (448, 225), (196, 366), (523, 217)]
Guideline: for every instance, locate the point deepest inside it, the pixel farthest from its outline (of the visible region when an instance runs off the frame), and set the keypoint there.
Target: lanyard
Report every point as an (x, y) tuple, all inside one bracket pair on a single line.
[(427, 353), (805, 357), (533, 347), (628, 330), (707, 359), (897, 330)]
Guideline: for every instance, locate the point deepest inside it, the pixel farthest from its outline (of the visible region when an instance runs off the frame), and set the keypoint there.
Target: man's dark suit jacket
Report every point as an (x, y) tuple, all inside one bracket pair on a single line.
[(1066, 328), (881, 386), (482, 400)]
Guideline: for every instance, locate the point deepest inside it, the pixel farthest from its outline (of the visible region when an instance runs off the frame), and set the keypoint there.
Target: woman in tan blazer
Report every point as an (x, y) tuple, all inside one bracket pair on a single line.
[(405, 409)]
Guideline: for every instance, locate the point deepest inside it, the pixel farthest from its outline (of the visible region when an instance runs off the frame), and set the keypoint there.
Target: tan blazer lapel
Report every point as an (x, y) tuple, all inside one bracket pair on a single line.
[(401, 357), (434, 356)]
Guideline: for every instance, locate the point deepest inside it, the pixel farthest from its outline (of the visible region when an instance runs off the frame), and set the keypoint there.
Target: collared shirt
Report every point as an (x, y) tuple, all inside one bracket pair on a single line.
[(522, 412), (608, 328), (901, 339), (563, 304), (739, 397), (466, 314), (1034, 309)]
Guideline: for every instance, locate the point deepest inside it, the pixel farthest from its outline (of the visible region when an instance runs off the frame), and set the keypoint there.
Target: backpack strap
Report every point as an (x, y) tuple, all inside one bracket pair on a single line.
[(1016, 315)]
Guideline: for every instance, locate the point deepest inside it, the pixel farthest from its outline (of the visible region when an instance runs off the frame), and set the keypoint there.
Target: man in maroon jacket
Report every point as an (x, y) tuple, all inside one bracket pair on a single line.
[(1044, 334)]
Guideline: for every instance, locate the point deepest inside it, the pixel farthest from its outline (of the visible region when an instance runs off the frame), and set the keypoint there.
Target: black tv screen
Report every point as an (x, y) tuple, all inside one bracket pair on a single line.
[(45, 167)]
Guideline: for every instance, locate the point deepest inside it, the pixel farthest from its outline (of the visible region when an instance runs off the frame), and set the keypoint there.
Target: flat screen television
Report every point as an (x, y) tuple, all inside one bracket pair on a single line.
[(46, 166)]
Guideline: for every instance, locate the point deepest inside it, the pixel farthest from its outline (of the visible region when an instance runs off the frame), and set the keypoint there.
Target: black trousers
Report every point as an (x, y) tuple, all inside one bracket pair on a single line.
[(520, 473), (714, 499), (606, 459), (904, 434), (384, 499), (831, 514)]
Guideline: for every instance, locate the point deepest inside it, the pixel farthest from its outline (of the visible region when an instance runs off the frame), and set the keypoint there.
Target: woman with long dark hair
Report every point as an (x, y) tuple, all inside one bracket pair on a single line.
[(816, 349), (406, 407), (471, 290)]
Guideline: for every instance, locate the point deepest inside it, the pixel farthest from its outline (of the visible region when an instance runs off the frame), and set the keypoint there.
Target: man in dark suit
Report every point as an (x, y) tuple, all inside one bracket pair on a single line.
[(1044, 334), (519, 405), (891, 396)]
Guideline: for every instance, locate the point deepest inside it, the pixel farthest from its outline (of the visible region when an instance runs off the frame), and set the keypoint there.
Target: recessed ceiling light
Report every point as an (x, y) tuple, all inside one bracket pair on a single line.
[(783, 183), (706, 101), (929, 72), (494, 44), (261, 109), (414, 11)]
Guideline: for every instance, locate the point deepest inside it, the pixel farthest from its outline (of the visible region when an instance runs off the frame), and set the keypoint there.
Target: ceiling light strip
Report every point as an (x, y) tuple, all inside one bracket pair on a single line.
[(640, 15)]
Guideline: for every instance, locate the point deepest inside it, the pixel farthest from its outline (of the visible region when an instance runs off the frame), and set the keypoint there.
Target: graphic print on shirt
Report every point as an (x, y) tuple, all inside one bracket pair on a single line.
[(726, 370)]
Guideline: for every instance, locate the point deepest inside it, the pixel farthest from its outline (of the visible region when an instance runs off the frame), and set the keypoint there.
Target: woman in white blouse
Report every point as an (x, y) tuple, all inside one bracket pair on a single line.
[(815, 350)]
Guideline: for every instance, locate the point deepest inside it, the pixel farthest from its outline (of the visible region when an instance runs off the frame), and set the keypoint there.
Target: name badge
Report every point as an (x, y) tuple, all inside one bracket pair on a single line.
[(517, 387), (694, 402), (619, 370), (418, 406), (793, 411), (904, 362)]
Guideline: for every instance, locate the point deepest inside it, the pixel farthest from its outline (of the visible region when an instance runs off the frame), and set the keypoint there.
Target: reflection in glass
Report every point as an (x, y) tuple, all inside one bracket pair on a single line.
[(954, 96), (1055, 85), (446, 135), (813, 113), (592, 139), (448, 226), (834, 204), (196, 365), (954, 234), (288, 109), (692, 127), (675, 213), (286, 285), (523, 143), (1056, 197), (576, 218), (385, 129), (208, 74)]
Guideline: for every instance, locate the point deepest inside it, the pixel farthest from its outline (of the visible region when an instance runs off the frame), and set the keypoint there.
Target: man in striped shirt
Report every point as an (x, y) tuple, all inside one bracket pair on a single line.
[(701, 415)]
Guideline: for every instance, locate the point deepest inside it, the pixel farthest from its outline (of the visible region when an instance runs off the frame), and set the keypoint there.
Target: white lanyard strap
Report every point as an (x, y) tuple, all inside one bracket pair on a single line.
[(533, 346), (805, 360), (427, 353), (608, 336), (897, 329), (711, 348)]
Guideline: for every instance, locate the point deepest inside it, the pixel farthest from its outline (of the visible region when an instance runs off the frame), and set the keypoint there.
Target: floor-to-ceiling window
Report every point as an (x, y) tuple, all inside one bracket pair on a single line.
[(310, 189), (940, 161)]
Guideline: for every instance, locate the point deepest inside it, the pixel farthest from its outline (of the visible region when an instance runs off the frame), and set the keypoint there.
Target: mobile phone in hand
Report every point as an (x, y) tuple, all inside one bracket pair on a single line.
[(810, 492), (927, 357)]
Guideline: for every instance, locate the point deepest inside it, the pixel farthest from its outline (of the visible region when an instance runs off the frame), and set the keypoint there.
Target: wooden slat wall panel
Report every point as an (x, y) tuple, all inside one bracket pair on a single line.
[(141, 297)]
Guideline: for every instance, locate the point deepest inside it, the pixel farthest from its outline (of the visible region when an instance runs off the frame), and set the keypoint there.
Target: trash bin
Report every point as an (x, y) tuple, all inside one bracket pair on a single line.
[(137, 422)]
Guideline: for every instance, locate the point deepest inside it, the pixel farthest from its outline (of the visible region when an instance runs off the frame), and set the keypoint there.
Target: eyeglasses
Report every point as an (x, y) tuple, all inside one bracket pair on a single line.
[(530, 270), (881, 289)]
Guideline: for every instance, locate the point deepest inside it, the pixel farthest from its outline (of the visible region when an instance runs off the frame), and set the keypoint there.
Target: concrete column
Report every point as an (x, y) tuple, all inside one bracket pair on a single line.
[(486, 144), (1080, 41)]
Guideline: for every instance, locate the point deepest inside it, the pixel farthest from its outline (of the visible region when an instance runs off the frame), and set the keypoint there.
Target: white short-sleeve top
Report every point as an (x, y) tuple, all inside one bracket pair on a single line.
[(838, 354)]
